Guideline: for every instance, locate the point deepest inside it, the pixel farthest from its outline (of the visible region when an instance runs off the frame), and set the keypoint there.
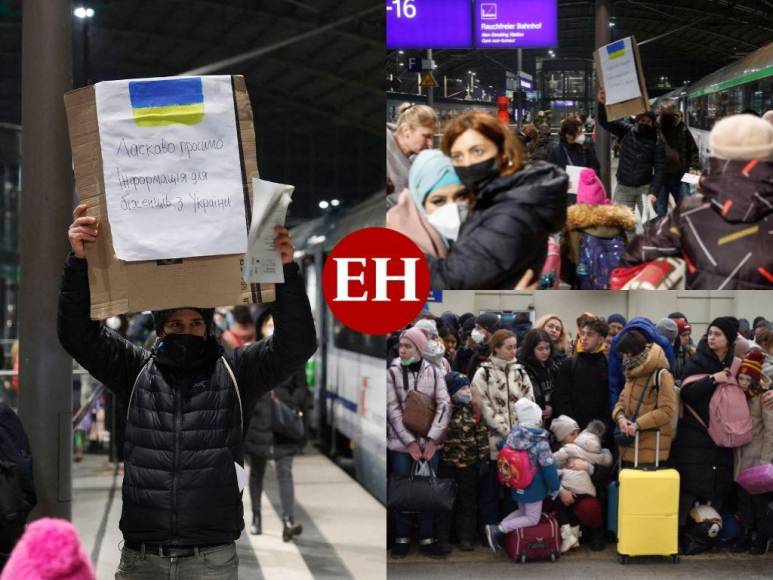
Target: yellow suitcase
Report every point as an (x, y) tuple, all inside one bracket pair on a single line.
[(648, 512)]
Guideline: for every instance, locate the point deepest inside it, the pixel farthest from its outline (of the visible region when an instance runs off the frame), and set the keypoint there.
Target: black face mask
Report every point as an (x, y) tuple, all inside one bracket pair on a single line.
[(476, 176), (668, 121), (645, 130), (182, 351)]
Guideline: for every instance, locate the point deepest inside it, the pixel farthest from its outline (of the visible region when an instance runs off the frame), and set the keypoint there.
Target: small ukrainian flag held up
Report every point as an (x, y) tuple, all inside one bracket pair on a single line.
[(156, 103), (616, 49)]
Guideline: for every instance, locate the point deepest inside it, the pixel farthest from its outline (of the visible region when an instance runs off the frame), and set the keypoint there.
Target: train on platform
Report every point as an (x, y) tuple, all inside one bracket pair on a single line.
[(745, 85), (347, 372)]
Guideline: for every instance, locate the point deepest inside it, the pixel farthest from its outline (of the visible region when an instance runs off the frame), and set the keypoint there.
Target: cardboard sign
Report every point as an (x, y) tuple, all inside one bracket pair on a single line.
[(170, 161), (614, 65), (118, 287)]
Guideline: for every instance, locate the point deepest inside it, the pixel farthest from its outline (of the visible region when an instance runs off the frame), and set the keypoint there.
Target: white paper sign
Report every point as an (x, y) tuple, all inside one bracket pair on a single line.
[(173, 179), (618, 69), (573, 171), (263, 263), (691, 178)]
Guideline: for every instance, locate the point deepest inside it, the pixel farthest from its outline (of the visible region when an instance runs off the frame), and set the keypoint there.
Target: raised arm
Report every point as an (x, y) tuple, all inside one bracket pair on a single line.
[(109, 357)]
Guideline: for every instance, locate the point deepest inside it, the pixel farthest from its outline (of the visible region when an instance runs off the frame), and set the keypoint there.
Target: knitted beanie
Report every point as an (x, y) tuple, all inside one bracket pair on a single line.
[(616, 318), (562, 426), (455, 381), (752, 364), (682, 325), (417, 337), (668, 328), (729, 327), (741, 138), (428, 326), (528, 412), (49, 550), (489, 321), (590, 190)]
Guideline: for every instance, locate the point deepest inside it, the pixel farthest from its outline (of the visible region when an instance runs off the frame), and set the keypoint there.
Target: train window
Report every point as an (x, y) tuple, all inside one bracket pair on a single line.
[(368, 344), (761, 95)]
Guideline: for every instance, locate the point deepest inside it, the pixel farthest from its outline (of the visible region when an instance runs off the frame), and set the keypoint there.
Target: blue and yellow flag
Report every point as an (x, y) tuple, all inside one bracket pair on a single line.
[(164, 102), (616, 49)]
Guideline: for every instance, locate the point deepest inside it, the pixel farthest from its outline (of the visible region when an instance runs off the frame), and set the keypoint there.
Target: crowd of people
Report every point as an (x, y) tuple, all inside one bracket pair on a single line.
[(493, 207), (576, 406)]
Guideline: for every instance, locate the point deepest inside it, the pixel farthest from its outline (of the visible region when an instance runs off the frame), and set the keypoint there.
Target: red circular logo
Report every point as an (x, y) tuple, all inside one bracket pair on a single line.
[(375, 280)]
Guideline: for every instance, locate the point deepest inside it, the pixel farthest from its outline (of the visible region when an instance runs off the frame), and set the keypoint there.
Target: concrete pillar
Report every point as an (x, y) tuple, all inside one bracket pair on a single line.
[(46, 211)]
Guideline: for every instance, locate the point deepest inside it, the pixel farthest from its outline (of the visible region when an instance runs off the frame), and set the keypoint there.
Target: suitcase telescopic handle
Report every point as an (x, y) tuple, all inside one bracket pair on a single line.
[(636, 449)]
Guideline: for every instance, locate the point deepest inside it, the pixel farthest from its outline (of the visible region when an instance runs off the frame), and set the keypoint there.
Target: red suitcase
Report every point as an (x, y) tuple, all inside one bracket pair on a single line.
[(540, 542)]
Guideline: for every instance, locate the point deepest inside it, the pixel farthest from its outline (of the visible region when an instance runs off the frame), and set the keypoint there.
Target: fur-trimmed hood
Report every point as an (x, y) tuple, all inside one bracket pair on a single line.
[(583, 216)]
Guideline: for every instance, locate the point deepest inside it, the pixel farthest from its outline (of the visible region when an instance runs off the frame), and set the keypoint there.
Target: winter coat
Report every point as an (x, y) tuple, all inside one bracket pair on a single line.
[(466, 440), (724, 235), (15, 448), (760, 450), (642, 158), (616, 378), (536, 443), (601, 221), (705, 469), (577, 481), (406, 218), (427, 379), (500, 385), (463, 356), (657, 408), (183, 432), (681, 140), (507, 232), (587, 447), (398, 163), (682, 354), (563, 154), (261, 440), (480, 354), (542, 379), (581, 388)]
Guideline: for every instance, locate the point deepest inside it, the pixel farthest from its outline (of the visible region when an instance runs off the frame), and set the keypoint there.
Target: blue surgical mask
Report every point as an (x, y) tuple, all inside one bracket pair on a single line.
[(462, 399)]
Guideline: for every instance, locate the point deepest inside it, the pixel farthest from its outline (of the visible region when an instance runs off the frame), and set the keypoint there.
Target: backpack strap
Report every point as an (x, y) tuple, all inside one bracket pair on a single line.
[(694, 413), (236, 390)]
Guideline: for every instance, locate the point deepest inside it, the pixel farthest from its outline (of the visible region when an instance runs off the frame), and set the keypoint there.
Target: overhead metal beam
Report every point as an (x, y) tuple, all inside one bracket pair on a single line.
[(252, 54)]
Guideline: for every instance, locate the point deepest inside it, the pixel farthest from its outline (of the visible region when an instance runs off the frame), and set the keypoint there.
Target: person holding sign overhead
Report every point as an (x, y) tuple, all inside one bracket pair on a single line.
[(188, 405), (642, 156)]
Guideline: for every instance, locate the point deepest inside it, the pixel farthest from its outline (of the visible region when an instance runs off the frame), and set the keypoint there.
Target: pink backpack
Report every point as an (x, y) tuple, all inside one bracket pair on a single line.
[(730, 423), (514, 469)]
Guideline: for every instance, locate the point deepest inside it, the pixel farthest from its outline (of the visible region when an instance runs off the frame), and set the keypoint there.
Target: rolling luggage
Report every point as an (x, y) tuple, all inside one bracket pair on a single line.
[(613, 498), (648, 511), (540, 542)]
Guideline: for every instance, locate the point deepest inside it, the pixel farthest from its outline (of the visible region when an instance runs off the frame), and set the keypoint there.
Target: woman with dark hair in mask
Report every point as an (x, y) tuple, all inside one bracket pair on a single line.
[(572, 149), (517, 207)]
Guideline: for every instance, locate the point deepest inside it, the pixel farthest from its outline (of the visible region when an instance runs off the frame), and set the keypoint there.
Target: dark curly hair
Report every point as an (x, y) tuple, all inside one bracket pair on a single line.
[(530, 342)]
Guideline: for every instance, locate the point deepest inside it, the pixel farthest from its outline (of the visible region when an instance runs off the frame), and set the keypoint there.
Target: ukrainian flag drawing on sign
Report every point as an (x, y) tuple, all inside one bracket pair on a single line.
[(167, 101), (616, 49)]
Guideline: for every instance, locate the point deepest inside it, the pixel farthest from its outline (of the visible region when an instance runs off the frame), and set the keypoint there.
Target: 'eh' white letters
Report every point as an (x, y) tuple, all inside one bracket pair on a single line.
[(382, 278)]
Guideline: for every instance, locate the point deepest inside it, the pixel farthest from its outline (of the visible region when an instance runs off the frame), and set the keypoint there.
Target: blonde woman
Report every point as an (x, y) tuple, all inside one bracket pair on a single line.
[(416, 126), (554, 326)]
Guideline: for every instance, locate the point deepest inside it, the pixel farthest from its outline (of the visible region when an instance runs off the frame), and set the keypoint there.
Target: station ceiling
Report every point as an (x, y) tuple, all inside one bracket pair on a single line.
[(318, 102), (704, 35)]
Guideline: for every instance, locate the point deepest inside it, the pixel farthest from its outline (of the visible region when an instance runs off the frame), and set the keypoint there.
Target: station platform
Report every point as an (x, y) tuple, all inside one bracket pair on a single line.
[(344, 531), (581, 564)]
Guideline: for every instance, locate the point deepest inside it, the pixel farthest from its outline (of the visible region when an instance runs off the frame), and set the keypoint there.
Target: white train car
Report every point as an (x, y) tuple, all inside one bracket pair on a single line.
[(347, 373)]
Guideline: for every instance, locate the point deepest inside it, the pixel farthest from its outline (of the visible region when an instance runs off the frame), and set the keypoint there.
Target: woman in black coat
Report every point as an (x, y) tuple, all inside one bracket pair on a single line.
[(572, 149), (516, 208), (262, 442), (537, 356), (705, 470)]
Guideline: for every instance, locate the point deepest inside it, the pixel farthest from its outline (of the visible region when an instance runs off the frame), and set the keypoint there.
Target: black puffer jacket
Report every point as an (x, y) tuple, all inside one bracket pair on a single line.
[(705, 469), (724, 235), (681, 140), (581, 389), (642, 157), (183, 430), (261, 440), (507, 233)]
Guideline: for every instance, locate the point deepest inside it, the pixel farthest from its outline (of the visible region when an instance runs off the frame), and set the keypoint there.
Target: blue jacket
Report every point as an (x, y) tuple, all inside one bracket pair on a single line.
[(545, 482), (615, 366)]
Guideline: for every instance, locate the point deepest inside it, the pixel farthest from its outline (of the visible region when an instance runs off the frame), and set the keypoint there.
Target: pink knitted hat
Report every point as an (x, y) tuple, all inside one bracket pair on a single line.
[(417, 337), (590, 190), (49, 550)]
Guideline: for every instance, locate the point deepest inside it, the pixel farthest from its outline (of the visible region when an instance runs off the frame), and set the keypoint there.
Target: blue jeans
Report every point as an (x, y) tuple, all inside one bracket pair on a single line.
[(672, 185), (402, 464), (218, 562)]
